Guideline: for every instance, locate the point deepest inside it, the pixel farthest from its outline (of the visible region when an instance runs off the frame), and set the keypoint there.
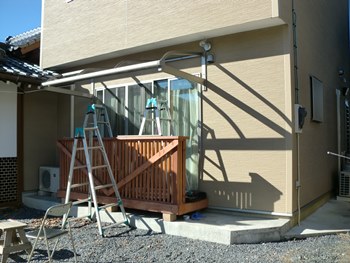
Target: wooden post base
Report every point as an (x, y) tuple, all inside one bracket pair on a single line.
[(169, 217), (113, 209)]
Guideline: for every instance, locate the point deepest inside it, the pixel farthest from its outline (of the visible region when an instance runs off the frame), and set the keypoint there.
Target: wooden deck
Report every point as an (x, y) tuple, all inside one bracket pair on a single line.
[(150, 172)]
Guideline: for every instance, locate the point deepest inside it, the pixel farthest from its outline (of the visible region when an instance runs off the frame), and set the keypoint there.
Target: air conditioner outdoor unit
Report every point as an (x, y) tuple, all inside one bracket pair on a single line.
[(49, 178)]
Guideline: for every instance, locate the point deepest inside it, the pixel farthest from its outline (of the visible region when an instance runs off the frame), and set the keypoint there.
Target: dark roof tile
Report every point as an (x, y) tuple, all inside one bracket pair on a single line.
[(17, 67)]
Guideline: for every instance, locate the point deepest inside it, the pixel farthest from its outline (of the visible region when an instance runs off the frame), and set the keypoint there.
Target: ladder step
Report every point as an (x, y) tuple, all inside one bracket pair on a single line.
[(81, 201), (114, 224), (99, 167), (99, 106), (94, 147), (91, 128), (107, 206), (78, 185), (103, 186), (80, 149), (79, 167)]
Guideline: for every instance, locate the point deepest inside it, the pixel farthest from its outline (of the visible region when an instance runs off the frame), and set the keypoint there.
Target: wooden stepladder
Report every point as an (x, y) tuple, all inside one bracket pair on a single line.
[(92, 144)]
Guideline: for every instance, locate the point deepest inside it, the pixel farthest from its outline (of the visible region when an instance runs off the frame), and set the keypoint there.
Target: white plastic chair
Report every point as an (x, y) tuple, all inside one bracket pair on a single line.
[(49, 231)]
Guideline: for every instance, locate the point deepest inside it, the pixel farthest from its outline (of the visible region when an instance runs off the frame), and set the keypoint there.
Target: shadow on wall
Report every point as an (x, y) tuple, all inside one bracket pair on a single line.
[(245, 195), (259, 193)]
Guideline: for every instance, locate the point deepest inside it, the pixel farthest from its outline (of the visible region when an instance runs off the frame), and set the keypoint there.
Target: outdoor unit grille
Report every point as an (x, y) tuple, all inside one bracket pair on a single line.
[(49, 179), (344, 184)]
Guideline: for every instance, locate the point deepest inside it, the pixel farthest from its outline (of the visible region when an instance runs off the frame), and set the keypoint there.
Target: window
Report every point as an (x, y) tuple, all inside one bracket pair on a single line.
[(126, 105)]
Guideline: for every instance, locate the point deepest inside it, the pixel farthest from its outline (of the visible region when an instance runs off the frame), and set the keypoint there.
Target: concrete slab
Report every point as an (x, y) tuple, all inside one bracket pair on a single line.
[(226, 228), (331, 218), (214, 226)]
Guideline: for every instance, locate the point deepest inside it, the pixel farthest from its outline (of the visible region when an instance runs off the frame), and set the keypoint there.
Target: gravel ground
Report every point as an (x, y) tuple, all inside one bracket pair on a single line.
[(133, 245)]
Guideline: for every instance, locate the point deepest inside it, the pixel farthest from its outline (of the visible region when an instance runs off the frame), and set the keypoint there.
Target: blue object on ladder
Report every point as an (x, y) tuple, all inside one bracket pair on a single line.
[(151, 103), (79, 133), (91, 108)]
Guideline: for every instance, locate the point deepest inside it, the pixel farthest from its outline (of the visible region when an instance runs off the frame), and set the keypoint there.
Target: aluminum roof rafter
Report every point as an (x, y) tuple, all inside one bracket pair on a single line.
[(161, 65)]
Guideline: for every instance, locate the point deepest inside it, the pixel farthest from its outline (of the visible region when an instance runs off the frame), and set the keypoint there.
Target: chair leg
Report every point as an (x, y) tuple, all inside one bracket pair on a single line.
[(32, 250), (72, 241), (4, 257), (54, 247), (48, 250)]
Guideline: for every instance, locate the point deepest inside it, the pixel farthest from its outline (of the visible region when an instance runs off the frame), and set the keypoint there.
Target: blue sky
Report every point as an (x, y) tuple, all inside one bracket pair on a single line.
[(18, 16)]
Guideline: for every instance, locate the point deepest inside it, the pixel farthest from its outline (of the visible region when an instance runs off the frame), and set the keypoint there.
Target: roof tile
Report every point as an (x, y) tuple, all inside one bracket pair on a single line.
[(25, 39)]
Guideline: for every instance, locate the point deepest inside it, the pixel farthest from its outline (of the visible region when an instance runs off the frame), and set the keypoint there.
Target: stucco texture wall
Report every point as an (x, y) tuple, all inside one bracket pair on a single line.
[(322, 41), (247, 130), (39, 135), (79, 30), (8, 119)]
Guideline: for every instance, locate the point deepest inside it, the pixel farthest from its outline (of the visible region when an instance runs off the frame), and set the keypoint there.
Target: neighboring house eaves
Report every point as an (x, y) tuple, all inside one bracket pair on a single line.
[(17, 70), (25, 46), (25, 39)]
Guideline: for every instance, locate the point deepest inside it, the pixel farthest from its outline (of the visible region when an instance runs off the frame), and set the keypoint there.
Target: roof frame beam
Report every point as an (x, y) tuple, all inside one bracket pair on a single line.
[(160, 64)]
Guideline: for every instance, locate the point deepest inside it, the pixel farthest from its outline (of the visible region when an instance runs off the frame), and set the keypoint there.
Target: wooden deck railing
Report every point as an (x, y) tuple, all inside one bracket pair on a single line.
[(149, 170)]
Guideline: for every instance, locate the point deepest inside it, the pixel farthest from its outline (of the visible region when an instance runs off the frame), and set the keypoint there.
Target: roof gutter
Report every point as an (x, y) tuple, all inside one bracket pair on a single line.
[(160, 64), (19, 78)]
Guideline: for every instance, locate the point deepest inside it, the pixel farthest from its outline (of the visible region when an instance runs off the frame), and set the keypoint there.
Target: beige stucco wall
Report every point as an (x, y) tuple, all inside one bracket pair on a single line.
[(125, 27), (322, 34), (249, 155), (247, 113), (247, 118), (39, 135), (8, 119)]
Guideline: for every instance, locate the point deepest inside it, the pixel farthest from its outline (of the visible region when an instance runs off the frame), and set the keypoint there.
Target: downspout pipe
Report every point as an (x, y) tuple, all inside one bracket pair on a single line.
[(296, 90)]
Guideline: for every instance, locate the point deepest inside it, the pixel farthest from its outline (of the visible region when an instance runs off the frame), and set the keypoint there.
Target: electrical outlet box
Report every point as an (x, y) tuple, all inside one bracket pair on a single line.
[(300, 114)]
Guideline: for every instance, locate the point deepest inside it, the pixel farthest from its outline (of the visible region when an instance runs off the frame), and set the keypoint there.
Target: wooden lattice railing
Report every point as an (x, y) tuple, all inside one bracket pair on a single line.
[(149, 171)]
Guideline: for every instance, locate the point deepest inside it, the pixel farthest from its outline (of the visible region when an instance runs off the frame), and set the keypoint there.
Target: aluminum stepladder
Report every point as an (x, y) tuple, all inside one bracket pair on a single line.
[(163, 106), (90, 149), (100, 118), (153, 111)]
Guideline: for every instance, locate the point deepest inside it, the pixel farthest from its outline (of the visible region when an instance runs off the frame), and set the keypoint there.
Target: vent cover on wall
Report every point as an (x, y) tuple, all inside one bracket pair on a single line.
[(49, 179), (344, 184)]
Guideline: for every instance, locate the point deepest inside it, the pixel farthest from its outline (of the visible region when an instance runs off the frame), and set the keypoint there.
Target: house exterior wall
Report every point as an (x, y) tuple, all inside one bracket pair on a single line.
[(247, 117), (322, 41), (126, 27), (249, 155), (252, 121), (8, 119), (39, 135), (10, 177)]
